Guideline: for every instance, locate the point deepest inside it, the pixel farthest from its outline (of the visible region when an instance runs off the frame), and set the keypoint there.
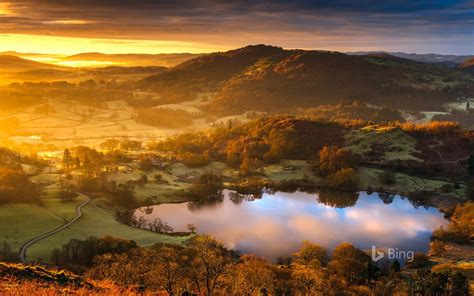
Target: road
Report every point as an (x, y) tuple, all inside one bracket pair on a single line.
[(34, 240)]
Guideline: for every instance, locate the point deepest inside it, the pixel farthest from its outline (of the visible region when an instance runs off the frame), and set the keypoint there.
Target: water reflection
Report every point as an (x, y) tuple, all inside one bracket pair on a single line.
[(276, 223)]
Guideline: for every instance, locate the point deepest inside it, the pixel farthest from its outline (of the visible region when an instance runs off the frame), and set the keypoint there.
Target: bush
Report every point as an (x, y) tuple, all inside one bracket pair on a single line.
[(419, 260), (332, 159), (163, 117), (67, 195), (387, 178), (344, 178), (208, 186), (461, 227), (437, 248), (15, 187)]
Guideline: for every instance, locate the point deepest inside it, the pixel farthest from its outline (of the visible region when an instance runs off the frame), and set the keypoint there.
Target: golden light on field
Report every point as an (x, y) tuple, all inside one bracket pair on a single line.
[(79, 64), (74, 45)]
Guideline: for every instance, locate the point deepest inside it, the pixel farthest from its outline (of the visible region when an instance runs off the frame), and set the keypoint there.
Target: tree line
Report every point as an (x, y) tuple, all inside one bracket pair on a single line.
[(203, 266)]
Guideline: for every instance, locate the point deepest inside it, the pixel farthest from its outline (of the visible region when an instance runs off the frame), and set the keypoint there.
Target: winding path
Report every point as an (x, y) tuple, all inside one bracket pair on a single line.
[(34, 240)]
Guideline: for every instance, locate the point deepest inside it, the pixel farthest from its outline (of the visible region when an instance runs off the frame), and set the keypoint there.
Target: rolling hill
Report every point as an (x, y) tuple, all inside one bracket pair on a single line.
[(268, 78), (430, 58), (9, 63)]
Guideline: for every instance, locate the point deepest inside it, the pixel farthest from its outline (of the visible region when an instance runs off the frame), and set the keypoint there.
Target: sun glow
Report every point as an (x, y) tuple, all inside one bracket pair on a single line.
[(5, 9), (74, 45), (67, 22)]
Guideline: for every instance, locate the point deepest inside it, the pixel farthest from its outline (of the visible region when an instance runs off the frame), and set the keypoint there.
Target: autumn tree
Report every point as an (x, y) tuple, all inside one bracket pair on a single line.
[(208, 263), (350, 263), (332, 159), (344, 178), (311, 254), (167, 267), (251, 276), (307, 280)]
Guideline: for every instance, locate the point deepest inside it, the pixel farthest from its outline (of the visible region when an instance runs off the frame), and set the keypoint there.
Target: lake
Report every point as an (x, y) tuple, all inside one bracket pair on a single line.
[(275, 224)]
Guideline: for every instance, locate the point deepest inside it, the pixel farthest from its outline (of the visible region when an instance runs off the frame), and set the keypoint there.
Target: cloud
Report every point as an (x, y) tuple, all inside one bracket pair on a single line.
[(421, 25), (67, 22)]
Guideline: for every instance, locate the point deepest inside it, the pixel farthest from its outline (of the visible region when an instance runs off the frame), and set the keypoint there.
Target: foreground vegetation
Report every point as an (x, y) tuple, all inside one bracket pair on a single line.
[(205, 267)]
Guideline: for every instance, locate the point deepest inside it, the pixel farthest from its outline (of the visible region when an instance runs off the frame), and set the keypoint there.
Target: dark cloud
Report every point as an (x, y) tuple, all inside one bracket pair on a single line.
[(422, 25)]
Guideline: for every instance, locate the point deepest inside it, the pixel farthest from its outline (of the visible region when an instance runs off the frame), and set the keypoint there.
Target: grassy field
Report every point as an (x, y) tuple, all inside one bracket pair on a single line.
[(97, 220), (72, 124), (288, 170), (399, 146), (21, 222), (404, 184)]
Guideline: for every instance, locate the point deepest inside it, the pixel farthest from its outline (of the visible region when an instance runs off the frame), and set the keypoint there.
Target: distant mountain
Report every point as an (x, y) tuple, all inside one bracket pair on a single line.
[(268, 78), (467, 66), (432, 58), (10, 63), (163, 60)]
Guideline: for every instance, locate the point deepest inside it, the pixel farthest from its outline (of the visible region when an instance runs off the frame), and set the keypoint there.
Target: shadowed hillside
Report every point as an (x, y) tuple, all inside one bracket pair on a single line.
[(10, 63), (267, 78)]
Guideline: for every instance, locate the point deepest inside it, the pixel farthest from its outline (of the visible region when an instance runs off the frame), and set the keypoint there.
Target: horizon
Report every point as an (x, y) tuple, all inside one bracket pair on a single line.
[(144, 27), (170, 51)]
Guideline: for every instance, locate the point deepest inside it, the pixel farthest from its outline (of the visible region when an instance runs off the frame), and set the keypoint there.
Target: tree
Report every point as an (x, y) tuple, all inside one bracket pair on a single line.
[(67, 195), (191, 228), (110, 144), (208, 186), (419, 260), (78, 254), (332, 159), (15, 186), (167, 267), (124, 195), (344, 178), (311, 254), (350, 263), (307, 280), (459, 284), (207, 264), (77, 163), (67, 162), (468, 106), (127, 144), (251, 276), (437, 248), (395, 266)]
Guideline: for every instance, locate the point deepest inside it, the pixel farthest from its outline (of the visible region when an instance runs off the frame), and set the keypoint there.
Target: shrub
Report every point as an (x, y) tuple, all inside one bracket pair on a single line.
[(461, 227), (344, 178), (67, 195), (437, 248), (387, 178), (419, 260)]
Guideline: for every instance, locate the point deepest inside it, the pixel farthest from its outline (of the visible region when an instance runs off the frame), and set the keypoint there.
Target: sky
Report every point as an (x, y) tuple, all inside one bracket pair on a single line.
[(153, 26)]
